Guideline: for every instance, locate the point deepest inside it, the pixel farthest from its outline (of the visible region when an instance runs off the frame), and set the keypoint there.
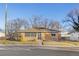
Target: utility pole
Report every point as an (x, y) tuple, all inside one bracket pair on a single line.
[(5, 20)]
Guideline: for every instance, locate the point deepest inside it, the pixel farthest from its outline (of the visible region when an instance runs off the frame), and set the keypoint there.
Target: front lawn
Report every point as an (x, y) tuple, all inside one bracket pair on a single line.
[(45, 43), (61, 43)]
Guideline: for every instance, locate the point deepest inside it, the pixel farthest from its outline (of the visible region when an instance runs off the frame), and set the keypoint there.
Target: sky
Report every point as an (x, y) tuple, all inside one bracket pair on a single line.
[(53, 11)]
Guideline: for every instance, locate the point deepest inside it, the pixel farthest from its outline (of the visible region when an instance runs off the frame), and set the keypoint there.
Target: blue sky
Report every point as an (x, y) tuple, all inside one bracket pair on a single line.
[(51, 11)]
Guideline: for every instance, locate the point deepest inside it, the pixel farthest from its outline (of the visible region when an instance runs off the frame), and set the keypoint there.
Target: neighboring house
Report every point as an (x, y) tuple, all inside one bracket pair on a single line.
[(65, 35), (36, 34), (2, 35), (74, 36)]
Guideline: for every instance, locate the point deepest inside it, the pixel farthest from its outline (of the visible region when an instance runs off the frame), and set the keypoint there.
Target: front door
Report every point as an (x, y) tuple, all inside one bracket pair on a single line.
[(39, 36), (40, 39)]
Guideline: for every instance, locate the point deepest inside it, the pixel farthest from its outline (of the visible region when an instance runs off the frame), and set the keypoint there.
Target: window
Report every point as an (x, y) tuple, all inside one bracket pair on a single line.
[(31, 34), (27, 34), (53, 34)]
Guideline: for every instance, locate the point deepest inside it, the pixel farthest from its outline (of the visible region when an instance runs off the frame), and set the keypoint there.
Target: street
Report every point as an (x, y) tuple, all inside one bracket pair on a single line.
[(34, 51)]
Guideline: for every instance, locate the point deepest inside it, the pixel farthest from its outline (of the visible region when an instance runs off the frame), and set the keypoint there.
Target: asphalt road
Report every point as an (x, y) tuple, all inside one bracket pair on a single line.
[(32, 51)]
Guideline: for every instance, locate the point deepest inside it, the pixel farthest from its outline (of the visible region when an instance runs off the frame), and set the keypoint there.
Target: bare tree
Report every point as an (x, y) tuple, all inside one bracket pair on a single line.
[(39, 21), (15, 25), (73, 19), (36, 21), (45, 23), (54, 25)]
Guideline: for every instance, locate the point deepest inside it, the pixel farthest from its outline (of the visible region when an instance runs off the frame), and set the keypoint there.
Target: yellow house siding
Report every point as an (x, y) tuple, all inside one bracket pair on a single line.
[(23, 38), (28, 38), (45, 35), (57, 36), (36, 36)]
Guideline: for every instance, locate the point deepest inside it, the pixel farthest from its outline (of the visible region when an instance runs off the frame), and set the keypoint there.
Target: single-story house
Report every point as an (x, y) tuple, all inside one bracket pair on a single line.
[(65, 35), (74, 36), (37, 34)]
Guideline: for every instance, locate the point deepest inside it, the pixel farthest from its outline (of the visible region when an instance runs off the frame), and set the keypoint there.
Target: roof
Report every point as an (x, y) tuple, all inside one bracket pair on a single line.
[(73, 32), (39, 30)]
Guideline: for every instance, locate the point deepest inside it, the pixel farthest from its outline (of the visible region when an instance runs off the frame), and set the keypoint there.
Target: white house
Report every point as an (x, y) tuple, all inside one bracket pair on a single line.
[(65, 35), (2, 34), (74, 36)]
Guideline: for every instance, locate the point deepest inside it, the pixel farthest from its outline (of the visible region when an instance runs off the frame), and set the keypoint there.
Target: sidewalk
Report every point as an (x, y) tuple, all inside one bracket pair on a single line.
[(76, 49)]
